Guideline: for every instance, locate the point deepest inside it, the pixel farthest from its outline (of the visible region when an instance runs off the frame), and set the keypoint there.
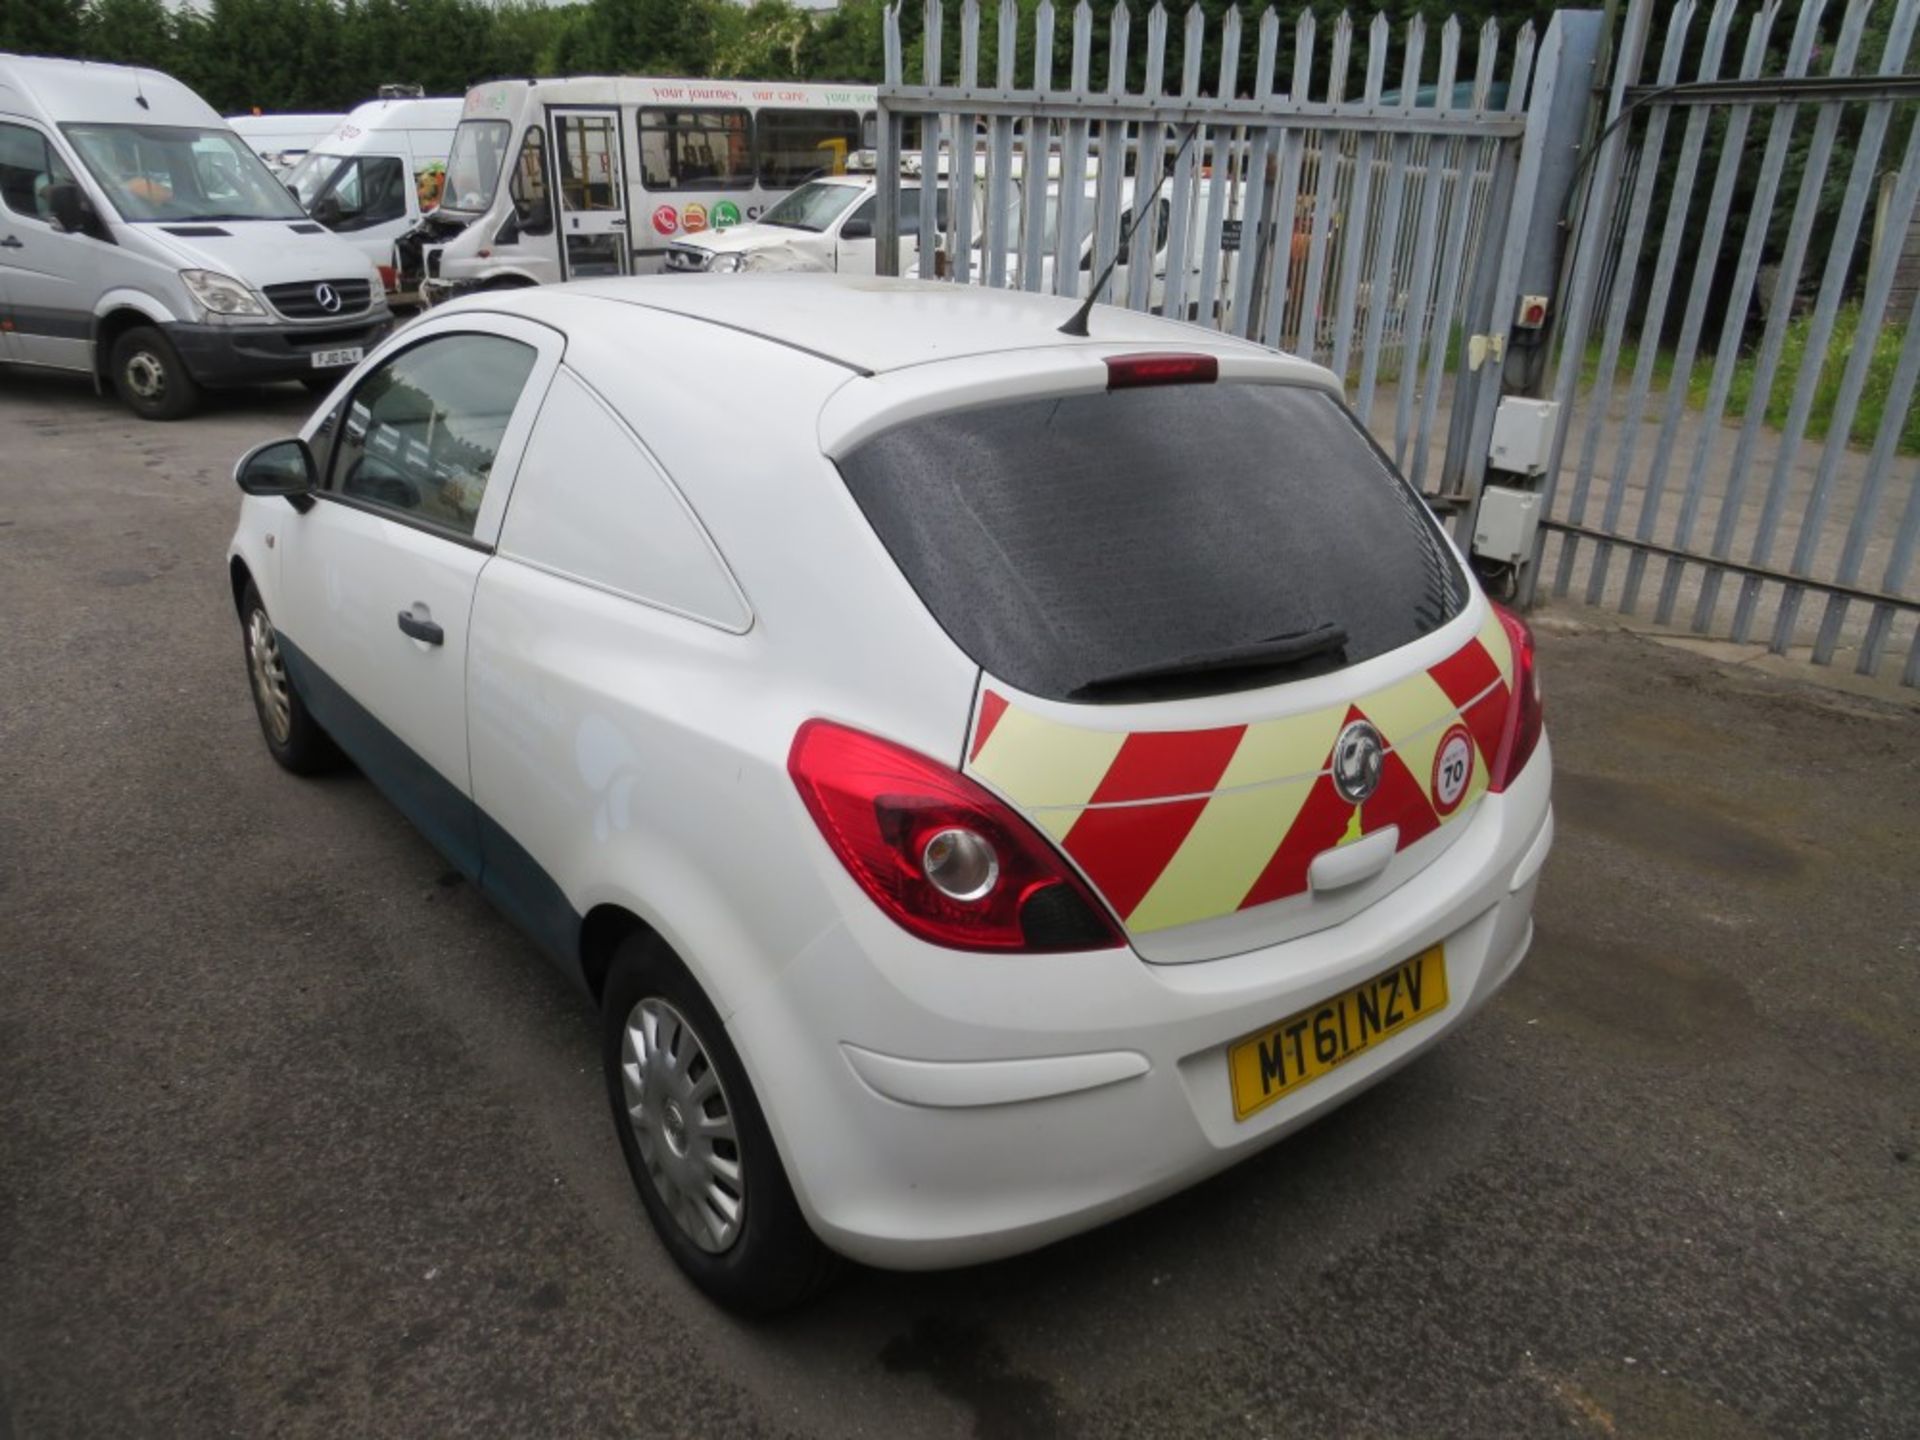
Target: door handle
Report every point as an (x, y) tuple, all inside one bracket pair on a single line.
[(619, 222), (12, 242), (420, 629)]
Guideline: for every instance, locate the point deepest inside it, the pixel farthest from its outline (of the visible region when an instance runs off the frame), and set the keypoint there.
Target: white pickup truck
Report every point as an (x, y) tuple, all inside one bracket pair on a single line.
[(825, 225)]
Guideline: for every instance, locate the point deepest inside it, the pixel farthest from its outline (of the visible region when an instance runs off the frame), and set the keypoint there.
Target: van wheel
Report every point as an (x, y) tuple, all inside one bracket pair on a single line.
[(696, 1142), (149, 376), (293, 736)]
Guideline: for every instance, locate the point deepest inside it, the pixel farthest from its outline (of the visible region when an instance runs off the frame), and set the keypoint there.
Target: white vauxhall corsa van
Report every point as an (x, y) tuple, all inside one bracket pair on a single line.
[(370, 180), (143, 243)]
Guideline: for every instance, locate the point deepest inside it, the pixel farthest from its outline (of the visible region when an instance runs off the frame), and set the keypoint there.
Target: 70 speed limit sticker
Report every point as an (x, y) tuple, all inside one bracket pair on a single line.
[(1452, 769)]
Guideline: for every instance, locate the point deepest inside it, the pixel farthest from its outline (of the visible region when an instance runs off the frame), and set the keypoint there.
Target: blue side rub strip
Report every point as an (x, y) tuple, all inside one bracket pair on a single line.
[(436, 806), (471, 839), (527, 895)]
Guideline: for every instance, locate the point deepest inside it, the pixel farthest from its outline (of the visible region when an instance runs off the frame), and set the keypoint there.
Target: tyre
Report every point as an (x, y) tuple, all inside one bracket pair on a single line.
[(293, 736), (321, 382), (696, 1141), (149, 376)]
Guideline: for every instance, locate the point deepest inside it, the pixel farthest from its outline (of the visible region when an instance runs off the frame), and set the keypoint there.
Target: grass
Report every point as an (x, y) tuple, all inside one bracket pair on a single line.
[(1793, 360)]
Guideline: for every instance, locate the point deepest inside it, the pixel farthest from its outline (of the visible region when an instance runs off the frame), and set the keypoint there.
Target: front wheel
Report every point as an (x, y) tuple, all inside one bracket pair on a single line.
[(149, 376), (293, 736), (696, 1142)]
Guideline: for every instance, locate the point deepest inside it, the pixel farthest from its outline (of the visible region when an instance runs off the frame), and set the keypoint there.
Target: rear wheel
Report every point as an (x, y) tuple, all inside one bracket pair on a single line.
[(149, 376), (696, 1141), (293, 736)]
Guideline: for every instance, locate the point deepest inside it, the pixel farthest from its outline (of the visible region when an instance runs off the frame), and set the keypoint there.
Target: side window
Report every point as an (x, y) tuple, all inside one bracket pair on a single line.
[(910, 211), (528, 187), (589, 503), (372, 192), (859, 225), (422, 430), (28, 167), (696, 149), (797, 145)]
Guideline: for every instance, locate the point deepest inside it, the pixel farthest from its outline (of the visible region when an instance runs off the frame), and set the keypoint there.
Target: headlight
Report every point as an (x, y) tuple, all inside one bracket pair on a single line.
[(221, 294), (727, 264)]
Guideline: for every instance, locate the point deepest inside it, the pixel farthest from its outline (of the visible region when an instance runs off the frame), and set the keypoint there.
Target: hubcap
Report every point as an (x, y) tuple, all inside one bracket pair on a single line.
[(146, 374), (683, 1125), (269, 677)]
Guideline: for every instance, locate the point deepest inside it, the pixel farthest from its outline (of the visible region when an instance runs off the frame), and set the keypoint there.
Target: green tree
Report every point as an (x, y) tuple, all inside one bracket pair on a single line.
[(43, 27), (130, 32)]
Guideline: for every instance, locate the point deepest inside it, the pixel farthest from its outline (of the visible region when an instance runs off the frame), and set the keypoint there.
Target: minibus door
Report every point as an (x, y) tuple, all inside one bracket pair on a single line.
[(590, 181)]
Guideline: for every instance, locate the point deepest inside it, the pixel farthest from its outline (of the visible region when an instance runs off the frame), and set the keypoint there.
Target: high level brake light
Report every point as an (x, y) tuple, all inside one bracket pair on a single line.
[(1521, 733), (942, 857), (1130, 372)]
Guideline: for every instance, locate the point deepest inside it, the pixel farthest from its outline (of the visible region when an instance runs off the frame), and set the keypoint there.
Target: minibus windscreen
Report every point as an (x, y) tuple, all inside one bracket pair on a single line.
[(473, 165), (181, 172)]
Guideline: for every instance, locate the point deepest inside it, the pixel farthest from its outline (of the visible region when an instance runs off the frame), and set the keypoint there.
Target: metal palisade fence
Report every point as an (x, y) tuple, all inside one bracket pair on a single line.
[(1738, 450), (1337, 192), (1731, 259)]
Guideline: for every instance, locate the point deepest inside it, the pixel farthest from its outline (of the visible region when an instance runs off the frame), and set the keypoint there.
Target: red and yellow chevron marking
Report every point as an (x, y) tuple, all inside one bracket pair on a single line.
[(1176, 826)]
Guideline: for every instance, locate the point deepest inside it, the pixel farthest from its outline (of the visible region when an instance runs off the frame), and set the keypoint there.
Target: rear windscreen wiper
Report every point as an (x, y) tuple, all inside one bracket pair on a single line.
[(1272, 653)]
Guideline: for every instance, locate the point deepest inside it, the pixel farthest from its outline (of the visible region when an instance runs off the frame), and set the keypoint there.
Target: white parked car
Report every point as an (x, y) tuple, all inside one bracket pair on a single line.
[(987, 779)]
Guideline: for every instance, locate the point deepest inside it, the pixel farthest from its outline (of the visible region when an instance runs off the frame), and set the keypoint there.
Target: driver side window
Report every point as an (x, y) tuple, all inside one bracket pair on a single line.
[(420, 433), (28, 168), (528, 188)]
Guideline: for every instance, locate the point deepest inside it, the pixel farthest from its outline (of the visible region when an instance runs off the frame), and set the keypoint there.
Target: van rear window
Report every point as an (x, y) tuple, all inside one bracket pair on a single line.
[(1158, 542)]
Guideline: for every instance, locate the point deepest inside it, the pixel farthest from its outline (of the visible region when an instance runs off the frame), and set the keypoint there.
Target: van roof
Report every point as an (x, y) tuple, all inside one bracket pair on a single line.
[(874, 324), (85, 90), (411, 113)]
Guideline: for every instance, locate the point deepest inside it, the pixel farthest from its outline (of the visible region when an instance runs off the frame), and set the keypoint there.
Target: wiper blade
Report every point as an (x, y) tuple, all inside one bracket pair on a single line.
[(1275, 652)]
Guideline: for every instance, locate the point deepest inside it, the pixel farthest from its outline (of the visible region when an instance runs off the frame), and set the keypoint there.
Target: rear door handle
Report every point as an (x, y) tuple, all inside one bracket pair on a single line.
[(420, 629), (12, 242)]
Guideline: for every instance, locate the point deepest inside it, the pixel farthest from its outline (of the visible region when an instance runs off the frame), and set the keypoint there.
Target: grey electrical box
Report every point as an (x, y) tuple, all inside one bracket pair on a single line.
[(1523, 435), (1505, 525)]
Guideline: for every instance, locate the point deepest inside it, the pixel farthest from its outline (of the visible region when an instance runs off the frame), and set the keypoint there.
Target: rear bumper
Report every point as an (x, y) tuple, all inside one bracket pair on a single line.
[(222, 355), (939, 1109)]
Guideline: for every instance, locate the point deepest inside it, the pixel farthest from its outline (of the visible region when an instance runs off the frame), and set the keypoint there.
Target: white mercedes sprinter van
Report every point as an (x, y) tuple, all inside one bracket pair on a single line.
[(377, 173), (143, 243)]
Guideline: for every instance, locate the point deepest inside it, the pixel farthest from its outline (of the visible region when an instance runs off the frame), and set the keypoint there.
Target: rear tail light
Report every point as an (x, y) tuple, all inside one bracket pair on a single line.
[(1130, 372), (945, 859), (1522, 731)]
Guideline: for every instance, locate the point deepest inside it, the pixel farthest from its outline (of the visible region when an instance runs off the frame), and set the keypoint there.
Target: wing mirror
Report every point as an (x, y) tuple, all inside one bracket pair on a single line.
[(857, 229), (71, 210), (279, 467)]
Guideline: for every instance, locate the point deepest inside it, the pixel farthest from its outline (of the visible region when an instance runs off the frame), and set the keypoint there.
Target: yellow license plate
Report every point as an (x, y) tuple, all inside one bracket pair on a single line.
[(1303, 1047)]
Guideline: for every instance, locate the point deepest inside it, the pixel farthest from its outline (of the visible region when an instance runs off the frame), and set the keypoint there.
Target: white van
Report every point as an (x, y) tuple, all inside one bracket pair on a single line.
[(282, 140), (562, 179), (143, 243), (380, 170)]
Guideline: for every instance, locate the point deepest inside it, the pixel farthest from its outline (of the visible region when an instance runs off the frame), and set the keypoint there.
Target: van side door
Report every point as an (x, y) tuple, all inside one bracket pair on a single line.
[(50, 278)]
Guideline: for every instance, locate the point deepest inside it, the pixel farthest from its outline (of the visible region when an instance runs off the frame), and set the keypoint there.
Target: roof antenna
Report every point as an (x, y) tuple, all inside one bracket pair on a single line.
[(139, 95), (1077, 322)]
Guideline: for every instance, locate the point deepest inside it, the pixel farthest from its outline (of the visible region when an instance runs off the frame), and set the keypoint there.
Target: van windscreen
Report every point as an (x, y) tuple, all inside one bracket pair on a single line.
[(1159, 542), (180, 172)]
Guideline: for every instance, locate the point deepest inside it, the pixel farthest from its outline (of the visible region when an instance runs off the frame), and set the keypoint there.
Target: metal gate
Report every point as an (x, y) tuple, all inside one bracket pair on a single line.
[(1744, 297), (1345, 194)]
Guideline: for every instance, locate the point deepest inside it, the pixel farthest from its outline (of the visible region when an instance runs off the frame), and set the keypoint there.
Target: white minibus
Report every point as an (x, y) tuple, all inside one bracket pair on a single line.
[(143, 243), (372, 179), (554, 180)]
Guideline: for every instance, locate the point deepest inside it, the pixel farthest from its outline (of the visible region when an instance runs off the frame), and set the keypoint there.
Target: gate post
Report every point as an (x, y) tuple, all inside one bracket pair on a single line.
[(1530, 252)]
